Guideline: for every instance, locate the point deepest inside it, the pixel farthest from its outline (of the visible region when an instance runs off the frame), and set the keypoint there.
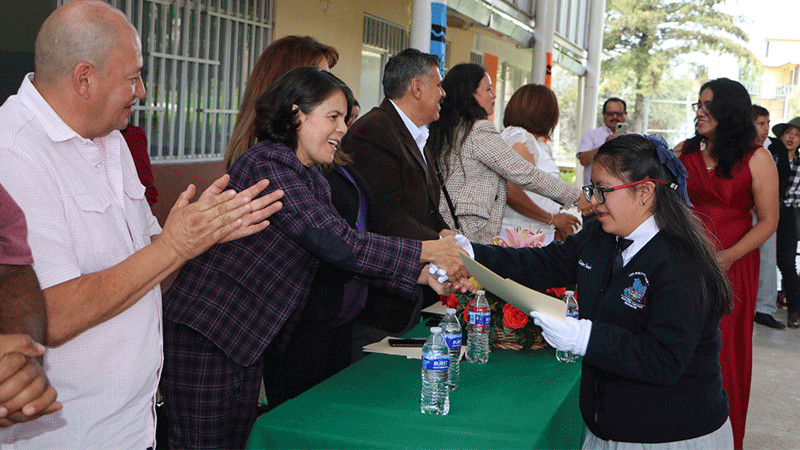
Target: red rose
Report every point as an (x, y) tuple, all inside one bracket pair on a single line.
[(557, 292), (514, 318), (451, 301), (466, 314)]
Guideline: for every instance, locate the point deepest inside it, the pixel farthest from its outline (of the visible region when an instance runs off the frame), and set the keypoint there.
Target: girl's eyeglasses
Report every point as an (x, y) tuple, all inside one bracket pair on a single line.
[(600, 192)]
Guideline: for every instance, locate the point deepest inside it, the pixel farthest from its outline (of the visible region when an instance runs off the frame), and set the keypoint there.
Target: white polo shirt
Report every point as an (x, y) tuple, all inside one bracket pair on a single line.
[(86, 212), (591, 140)]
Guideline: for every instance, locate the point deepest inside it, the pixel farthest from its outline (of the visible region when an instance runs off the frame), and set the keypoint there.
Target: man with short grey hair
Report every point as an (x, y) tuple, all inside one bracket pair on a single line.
[(98, 251), (388, 146)]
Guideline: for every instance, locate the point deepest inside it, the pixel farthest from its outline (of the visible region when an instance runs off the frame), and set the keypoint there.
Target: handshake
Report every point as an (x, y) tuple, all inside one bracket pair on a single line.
[(445, 272), (25, 392)]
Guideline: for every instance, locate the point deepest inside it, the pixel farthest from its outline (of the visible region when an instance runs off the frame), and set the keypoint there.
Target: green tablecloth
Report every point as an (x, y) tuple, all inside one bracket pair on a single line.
[(516, 400)]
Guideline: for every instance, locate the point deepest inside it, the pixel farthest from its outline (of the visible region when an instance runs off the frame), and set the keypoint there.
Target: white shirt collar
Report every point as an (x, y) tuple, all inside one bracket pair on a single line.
[(53, 125), (640, 237), (102, 152), (419, 134)]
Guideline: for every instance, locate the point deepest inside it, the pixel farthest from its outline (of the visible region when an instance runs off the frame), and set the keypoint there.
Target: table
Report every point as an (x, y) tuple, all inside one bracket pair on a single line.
[(516, 400)]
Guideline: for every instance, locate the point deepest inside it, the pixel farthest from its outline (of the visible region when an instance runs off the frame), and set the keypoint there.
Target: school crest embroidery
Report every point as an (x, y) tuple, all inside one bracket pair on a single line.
[(634, 295)]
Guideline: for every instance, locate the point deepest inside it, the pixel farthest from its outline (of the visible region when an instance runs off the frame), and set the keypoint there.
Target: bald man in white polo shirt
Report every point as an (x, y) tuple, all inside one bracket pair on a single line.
[(98, 251)]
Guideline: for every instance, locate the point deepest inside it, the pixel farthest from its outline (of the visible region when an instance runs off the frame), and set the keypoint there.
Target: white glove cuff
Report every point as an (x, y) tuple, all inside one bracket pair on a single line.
[(582, 339), (464, 243)]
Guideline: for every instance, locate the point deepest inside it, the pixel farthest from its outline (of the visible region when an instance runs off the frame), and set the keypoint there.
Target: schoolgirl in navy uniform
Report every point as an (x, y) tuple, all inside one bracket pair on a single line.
[(649, 328)]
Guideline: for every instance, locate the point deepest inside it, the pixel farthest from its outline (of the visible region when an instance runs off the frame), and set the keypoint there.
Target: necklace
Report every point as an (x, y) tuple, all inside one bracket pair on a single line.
[(703, 149)]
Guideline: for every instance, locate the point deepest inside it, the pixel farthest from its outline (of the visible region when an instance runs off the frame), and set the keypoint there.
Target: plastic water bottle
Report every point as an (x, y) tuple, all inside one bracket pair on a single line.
[(572, 311), (479, 323), (451, 330), (435, 398)]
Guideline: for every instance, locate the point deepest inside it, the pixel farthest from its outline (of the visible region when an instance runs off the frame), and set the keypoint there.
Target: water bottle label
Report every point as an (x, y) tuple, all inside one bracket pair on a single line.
[(573, 314), (436, 362), (453, 341), (480, 318)]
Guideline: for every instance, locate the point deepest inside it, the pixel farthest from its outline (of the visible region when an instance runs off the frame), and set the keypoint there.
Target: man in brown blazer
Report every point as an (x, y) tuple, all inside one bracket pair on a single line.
[(400, 173), (388, 147)]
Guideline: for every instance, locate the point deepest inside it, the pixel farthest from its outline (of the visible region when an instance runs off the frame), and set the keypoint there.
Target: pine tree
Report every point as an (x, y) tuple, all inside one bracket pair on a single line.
[(643, 38)]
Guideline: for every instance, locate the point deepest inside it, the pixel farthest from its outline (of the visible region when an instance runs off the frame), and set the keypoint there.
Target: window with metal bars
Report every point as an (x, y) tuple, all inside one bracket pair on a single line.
[(380, 40), (198, 56), (476, 58)]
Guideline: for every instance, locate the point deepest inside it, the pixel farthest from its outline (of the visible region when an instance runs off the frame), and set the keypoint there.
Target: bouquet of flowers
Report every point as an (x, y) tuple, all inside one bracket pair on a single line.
[(511, 328)]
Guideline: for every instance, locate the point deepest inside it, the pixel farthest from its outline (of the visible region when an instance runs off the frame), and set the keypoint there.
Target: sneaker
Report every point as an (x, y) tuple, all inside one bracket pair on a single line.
[(769, 321)]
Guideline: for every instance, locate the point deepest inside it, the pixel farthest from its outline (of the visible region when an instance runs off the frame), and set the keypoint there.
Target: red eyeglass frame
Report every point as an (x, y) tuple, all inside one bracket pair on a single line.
[(589, 189)]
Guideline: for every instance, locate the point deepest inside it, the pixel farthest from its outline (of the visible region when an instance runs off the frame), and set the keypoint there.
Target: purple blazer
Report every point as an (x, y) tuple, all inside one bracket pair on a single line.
[(241, 293)]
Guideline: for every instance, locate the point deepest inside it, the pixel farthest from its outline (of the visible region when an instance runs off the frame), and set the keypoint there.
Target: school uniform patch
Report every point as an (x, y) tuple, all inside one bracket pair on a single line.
[(634, 295)]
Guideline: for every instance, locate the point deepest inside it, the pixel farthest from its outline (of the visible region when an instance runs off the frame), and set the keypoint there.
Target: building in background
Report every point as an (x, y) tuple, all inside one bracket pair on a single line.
[(780, 79), (198, 55)]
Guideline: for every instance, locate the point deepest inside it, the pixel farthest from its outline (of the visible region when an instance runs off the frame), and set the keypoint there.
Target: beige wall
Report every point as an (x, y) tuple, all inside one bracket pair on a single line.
[(338, 23), (460, 43)]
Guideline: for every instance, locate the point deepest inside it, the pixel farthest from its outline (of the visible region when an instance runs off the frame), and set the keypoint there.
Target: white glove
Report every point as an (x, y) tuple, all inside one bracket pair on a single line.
[(464, 243), (570, 335), (440, 273)]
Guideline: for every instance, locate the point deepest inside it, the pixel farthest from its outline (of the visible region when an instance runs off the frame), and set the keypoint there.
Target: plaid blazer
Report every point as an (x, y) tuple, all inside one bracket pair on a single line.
[(476, 177), (241, 293)]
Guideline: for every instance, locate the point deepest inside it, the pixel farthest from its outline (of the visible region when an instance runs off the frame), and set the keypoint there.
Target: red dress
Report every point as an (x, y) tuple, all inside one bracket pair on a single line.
[(725, 208)]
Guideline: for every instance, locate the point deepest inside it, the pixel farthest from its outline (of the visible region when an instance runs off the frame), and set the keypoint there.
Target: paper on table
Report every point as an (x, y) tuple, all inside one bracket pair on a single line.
[(436, 308), (518, 295), (383, 346)]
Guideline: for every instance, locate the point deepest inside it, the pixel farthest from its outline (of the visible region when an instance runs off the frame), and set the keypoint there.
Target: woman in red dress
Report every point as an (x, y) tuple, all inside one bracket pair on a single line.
[(730, 176)]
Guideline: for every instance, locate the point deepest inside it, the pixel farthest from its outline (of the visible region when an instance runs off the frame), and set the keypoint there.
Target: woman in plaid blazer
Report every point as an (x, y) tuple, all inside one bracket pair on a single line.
[(229, 303), (477, 163)]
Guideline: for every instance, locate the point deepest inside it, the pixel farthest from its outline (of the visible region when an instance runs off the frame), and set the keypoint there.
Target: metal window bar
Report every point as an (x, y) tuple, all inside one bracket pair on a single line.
[(476, 58), (384, 35), (571, 17), (199, 55), (385, 38)]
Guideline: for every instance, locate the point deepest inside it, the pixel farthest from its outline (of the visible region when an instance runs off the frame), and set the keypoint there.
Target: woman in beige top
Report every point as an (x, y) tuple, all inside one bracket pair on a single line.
[(476, 163)]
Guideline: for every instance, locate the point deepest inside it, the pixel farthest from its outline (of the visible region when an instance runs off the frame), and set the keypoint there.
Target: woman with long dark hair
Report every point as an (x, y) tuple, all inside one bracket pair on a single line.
[(475, 162), (228, 304), (278, 58), (730, 176), (336, 297), (649, 323)]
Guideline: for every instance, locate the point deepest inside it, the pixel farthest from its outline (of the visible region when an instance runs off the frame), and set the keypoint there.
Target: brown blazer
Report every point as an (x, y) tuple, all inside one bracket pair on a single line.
[(405, 188), (406, 201)]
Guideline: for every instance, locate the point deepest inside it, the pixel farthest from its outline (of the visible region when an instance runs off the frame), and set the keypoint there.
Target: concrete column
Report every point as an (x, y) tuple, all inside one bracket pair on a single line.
[(428, 27), (439, 31), (420, 35), (543, 39), (591, 81)]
